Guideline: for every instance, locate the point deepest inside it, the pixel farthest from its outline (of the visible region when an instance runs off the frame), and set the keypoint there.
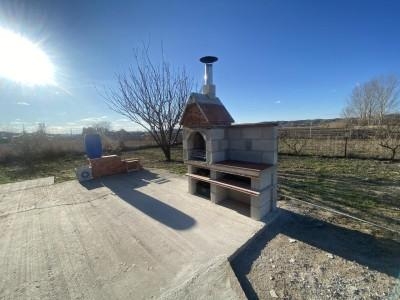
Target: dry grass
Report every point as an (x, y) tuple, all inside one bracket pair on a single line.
[(62, 168), (368, 189), (154, 158)]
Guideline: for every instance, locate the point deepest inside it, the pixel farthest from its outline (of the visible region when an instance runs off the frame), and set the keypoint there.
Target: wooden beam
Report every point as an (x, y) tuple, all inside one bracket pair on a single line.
[(225, 184)]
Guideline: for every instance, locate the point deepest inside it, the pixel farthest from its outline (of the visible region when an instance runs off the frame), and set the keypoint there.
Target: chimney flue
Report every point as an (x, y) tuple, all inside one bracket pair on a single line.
[(208, 87)]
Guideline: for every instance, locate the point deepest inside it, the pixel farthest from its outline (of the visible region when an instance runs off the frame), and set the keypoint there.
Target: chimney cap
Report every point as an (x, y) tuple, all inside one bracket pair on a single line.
[(208, 59)]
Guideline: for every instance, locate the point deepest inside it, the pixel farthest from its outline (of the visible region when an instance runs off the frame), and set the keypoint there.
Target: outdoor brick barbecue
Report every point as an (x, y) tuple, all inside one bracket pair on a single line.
[(234, 165)]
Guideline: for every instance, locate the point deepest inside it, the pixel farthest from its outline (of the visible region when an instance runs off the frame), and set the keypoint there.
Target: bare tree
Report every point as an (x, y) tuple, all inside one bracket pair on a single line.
[(153, 96), (293, 141), (41, 129), (387, 93), (371, 101), (389, 137), (102, 127)]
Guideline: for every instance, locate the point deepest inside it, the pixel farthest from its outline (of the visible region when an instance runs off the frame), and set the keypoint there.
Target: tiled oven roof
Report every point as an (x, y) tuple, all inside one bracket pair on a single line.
[(202, 110)]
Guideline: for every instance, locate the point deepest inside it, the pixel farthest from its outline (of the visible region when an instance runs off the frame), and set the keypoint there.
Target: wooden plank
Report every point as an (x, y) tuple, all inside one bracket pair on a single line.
[(225, 169), (225, 184)]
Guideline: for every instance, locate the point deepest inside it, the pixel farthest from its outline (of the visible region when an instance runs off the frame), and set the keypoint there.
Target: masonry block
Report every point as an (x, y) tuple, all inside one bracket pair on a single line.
[(270, 133), (264, 145), (274, 197), (217, 133), (237, 144), (107, 165), (266, 177), (249, 156), (252, 132), (212, 145), (217, 194), (192, 185), (132, 165), (234, 133), (270, 157), (264, 181), (223, 145), (217, 156), (257, 213), (263, 199)]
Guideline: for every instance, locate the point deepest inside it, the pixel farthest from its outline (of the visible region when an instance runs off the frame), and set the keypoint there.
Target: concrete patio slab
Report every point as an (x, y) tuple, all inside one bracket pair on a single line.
[(26, 184), (130, 236)]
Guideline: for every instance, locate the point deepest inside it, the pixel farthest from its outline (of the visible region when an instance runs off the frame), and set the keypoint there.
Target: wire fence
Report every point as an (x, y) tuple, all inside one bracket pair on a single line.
[(330, 142), (335, 142)]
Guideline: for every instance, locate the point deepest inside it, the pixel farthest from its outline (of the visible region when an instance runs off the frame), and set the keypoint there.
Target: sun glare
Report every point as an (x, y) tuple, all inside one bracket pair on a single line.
[(23, 61)]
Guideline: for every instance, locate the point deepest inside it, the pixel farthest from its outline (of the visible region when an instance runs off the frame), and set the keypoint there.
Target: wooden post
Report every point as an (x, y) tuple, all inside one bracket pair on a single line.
[(345, 146)]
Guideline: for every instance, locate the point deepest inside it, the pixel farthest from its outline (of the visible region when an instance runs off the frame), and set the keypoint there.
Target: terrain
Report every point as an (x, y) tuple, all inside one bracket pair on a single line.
[(310, 252)]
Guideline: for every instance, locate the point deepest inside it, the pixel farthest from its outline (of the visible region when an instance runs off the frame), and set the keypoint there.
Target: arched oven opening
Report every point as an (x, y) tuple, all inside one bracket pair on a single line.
[(198, 149)]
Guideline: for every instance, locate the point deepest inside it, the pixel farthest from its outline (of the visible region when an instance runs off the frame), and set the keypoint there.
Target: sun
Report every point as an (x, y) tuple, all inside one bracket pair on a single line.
[(23, 61)]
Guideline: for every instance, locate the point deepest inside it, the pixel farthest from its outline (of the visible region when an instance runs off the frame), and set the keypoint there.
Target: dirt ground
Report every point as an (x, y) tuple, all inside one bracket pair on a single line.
[(312, 254)]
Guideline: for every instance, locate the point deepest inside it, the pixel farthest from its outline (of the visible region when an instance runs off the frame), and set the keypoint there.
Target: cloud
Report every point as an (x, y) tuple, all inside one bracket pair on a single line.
[(277, 102), (23, 103), (93, 119)]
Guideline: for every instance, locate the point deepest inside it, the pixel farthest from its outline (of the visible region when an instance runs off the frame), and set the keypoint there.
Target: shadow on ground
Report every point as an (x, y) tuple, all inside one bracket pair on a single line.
[(378, 254), (125, 187)]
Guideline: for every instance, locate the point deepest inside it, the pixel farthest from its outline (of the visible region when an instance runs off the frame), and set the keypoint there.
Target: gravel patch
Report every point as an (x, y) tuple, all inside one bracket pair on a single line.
[(304, 257)]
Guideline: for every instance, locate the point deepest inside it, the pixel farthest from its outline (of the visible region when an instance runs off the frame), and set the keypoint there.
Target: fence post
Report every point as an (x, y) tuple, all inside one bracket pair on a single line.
[(345, 146)]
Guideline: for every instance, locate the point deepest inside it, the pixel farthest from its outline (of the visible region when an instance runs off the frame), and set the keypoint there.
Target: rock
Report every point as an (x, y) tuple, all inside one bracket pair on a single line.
[(292, 260), (273, 294), (273, 266), (353, 290), (292, 241), (329, 255)]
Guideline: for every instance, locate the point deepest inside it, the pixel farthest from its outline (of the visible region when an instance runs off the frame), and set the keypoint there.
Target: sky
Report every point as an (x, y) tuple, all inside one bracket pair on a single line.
[(278, 60)]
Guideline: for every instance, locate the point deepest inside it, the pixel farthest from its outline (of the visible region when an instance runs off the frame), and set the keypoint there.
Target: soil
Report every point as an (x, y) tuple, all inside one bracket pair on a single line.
[(313, 254)]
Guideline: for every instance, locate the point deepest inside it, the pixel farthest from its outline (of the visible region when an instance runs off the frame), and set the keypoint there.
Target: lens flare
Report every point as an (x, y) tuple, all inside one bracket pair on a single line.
[(23, 61)]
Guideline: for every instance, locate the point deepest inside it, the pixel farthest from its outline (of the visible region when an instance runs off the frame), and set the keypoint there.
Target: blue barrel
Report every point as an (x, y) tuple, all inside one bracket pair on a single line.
[(93, 145)]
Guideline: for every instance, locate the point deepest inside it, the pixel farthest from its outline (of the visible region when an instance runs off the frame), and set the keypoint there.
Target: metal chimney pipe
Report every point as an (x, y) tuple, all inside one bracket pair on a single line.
[(208, 74), (208, 87)]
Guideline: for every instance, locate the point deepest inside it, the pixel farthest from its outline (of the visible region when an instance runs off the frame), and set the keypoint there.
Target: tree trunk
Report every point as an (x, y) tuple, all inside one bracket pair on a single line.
[(167, 152), (393, 154)]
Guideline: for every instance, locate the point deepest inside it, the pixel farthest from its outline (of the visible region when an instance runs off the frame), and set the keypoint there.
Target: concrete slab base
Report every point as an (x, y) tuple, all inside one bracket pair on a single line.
[(131, 236), (26, 184)]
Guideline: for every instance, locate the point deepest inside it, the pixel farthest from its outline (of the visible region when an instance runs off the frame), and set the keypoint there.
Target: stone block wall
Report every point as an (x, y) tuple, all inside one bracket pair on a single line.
[(257, 144), (215, 141)]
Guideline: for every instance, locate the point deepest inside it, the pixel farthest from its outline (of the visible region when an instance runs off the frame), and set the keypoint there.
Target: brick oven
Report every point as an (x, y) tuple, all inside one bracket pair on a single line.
[(231, 164)]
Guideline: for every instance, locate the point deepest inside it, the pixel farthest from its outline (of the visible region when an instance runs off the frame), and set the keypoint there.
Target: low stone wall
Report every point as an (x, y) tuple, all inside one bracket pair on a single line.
[(256, 144)]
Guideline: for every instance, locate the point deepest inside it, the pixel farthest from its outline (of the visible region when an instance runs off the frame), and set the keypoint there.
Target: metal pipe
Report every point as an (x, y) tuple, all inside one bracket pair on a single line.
[(208, 74)]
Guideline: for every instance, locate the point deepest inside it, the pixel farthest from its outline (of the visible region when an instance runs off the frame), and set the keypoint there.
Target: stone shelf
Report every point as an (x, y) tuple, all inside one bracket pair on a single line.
[(232, 184), (233, 167)]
